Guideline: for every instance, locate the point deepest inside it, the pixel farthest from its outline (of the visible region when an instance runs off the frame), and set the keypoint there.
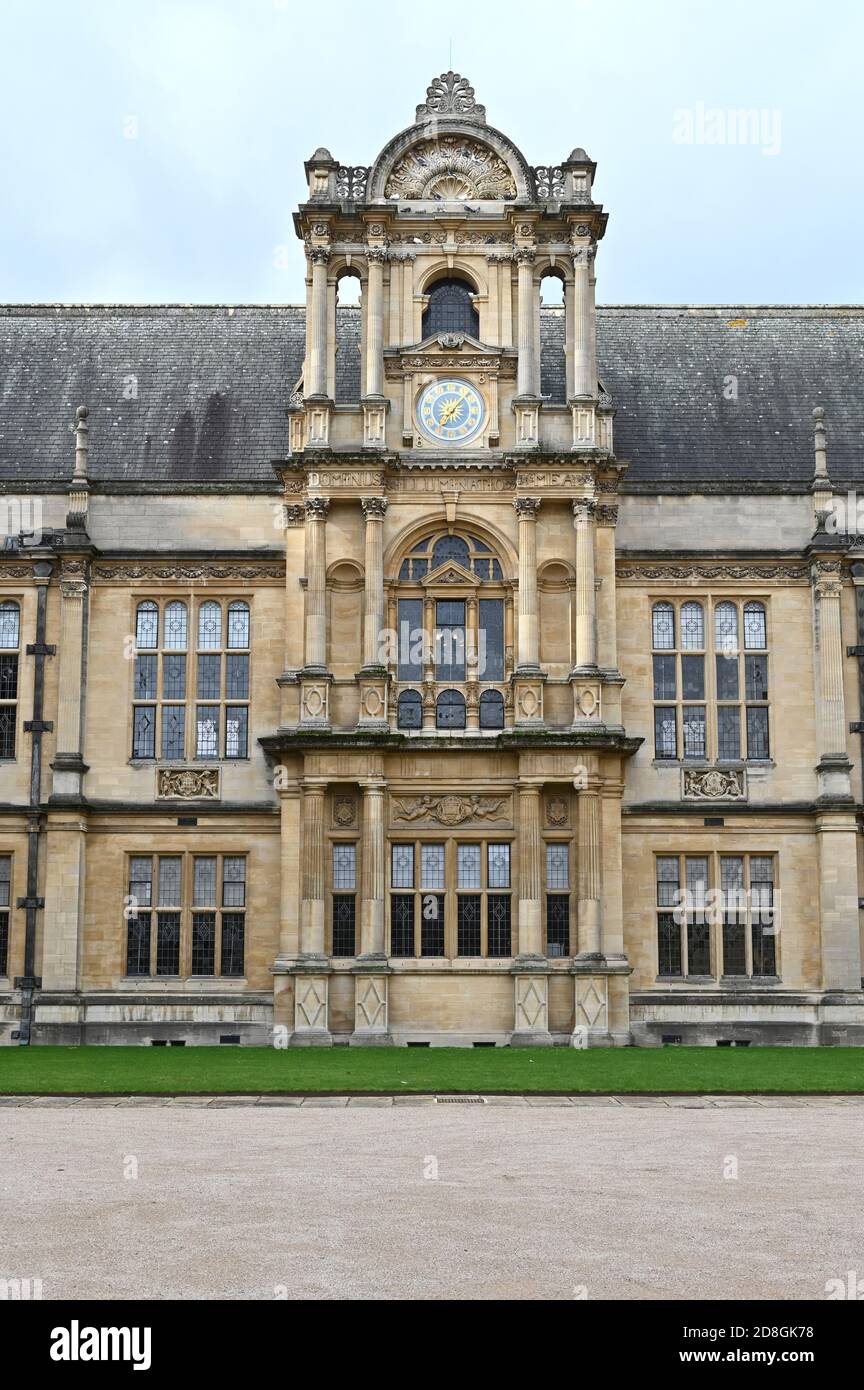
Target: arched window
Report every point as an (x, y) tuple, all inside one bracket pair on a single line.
[(450, 710), (692, 627), (209, 626), (410, 710), (147, 626), (663, 620), (491, 710), (450, 548), (435, 550), (754, 627), (238, 625), (451, 309), (726, 627), (175, 627)]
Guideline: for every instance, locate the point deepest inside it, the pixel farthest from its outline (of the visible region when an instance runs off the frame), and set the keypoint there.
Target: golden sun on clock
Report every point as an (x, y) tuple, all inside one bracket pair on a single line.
[(451, 411)]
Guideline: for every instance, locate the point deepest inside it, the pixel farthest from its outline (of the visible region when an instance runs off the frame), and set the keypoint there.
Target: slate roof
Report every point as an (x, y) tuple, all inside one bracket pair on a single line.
[(196, 394)]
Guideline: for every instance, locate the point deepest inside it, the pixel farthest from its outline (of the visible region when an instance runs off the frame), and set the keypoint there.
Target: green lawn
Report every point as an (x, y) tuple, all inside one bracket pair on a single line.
[(401, 1070)]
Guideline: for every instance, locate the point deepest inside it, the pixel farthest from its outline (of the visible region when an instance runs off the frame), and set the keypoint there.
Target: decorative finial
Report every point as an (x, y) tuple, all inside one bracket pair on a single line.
[(82, 444), (451, 95), (821, 468)]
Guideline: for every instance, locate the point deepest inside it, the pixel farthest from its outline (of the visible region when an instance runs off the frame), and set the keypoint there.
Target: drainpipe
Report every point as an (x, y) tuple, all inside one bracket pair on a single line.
[(30, 982)]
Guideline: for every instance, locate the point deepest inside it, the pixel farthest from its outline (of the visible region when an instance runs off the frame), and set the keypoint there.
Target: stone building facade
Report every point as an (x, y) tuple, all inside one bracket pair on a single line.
[(452, 668)]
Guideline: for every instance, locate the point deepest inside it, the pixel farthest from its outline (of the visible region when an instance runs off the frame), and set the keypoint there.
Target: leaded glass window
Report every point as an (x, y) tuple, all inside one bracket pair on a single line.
[(499, 866), (195, 933), (557, 867), (10, 639), (451, 309), (431, 866), (402, 866), (711, 699)]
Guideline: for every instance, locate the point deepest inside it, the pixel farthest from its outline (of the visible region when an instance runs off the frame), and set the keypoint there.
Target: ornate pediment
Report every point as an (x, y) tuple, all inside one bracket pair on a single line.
[(451, 573), (453, 168)]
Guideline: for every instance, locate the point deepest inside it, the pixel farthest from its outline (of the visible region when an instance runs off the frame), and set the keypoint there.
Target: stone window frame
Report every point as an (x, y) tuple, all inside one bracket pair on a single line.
[(186, 908), (567, 838), (474, 590), (349, 837), (451, 892), (711, 702), (190, 703), (714, 914)]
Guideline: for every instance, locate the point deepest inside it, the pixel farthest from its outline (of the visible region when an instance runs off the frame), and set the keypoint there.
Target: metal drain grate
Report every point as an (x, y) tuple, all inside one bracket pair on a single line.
[(460, 1100)]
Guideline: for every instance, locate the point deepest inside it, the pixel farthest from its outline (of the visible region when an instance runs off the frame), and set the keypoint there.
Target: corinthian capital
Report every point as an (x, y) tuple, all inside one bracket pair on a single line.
[(317, 508), (319, 255), (526, 508), (376, 253), (374, 508), (584, 508), (525, 255)]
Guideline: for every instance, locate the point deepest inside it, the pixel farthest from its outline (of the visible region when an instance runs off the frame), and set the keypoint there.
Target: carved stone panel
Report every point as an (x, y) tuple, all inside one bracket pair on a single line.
[(451, 168), (452, 810), (187, 783), (714, 784)]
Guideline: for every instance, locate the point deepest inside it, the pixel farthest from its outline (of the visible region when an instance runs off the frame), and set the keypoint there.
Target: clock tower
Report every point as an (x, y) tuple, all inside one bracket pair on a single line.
[(450, 503)]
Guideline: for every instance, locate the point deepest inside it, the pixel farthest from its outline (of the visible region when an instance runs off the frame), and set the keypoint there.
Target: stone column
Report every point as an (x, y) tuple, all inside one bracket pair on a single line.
[(374, 510), (584, 352), (590, 947), (375, 257), (569, 337), (526, 510), (586, 595), (317, 384), (315, 678), (525, 257), (373, 679)]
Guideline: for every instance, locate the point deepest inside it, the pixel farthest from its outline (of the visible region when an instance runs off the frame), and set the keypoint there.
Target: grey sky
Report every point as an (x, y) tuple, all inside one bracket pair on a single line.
[(230, 96)]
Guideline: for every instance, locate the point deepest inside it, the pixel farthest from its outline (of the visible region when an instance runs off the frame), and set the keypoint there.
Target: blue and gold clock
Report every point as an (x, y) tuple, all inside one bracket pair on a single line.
[(451, 411)]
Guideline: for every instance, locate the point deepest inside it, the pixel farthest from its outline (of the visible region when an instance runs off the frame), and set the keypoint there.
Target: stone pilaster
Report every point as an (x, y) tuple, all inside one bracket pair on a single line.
[(371, 987), (68, 765), (373, 679), (527, 509), (590, 937), (312, 969), (530, 967), (315, 678), (584, 677), (835, 822), (528, 679)]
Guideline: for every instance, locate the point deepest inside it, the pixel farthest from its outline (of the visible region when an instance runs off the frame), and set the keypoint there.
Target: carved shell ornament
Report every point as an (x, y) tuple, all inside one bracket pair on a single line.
[(450, 169)]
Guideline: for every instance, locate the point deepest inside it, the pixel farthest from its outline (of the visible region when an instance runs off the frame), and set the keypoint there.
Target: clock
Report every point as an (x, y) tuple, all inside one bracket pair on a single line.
[(451, 411)]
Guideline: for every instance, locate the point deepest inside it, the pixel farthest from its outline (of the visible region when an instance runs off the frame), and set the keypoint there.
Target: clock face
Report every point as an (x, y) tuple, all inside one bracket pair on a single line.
[(451, 411)]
